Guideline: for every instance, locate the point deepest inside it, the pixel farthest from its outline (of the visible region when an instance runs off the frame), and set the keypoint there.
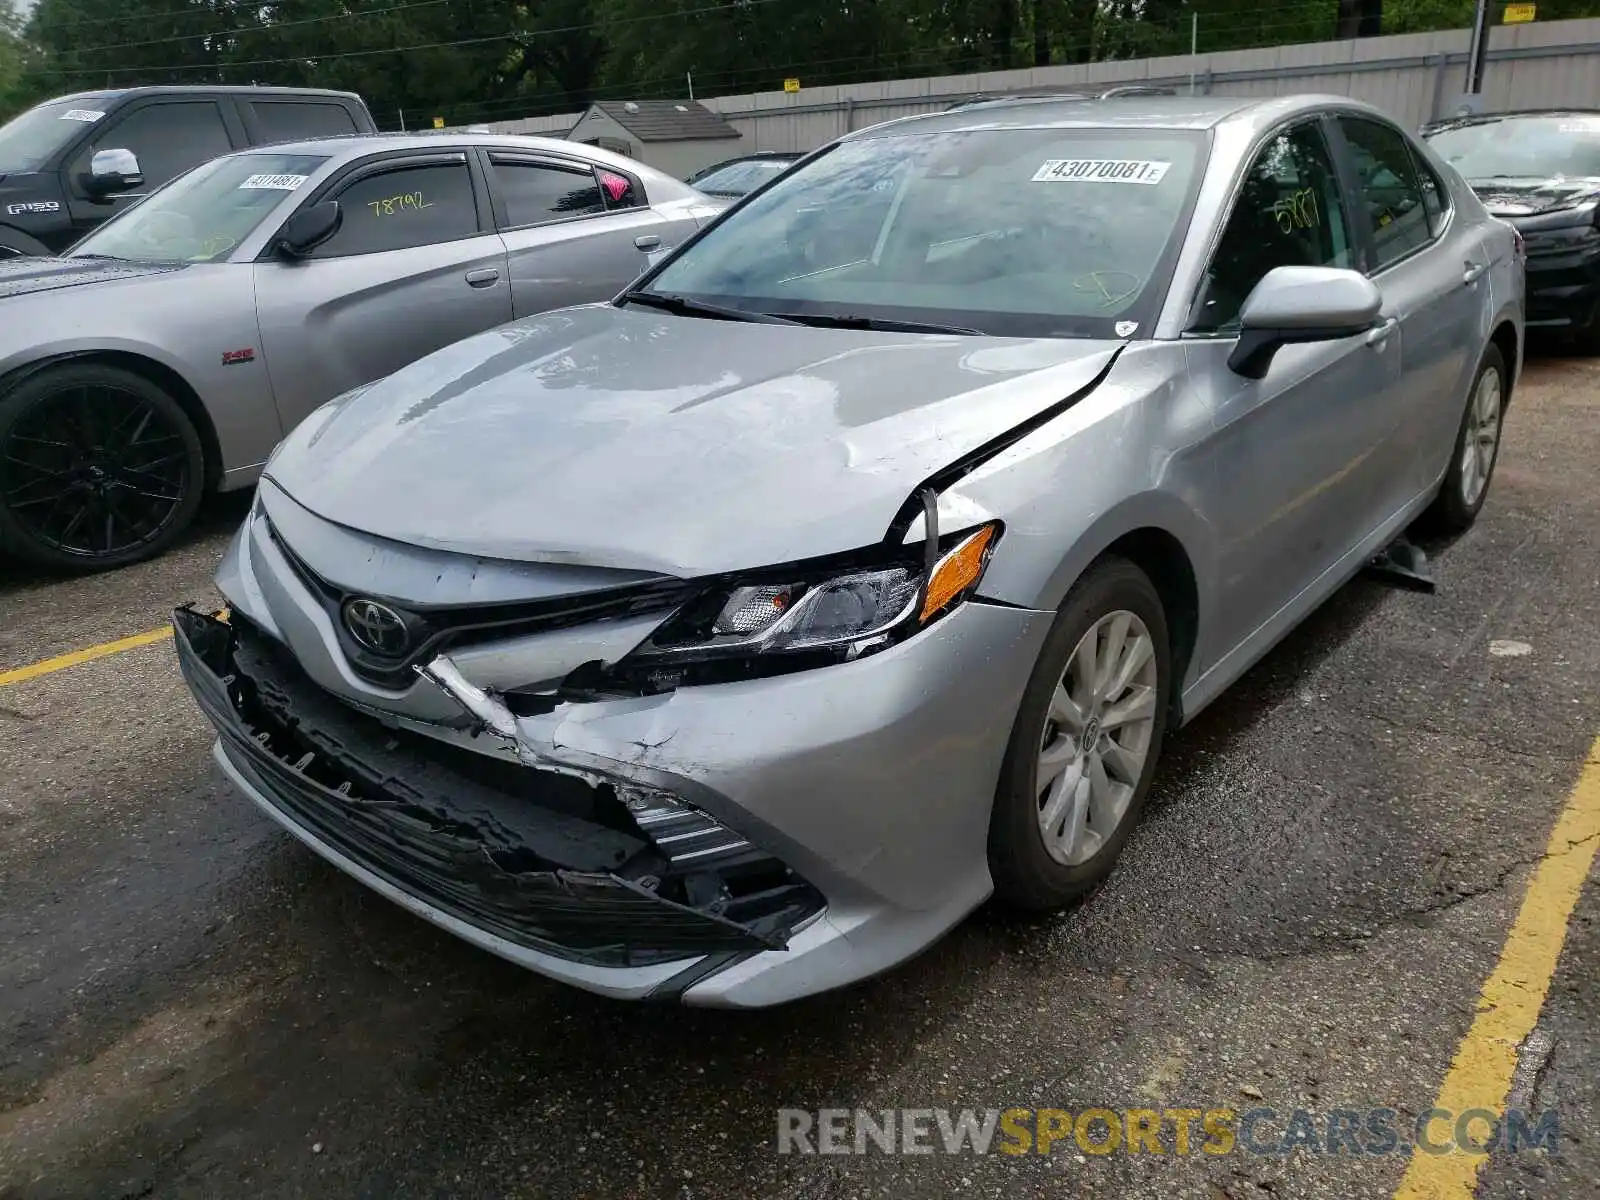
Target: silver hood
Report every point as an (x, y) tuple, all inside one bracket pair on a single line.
[(25, 276), (632, 438)]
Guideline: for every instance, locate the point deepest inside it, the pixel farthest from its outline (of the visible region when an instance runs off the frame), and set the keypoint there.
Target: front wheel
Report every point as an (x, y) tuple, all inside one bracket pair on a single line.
[(1085, 742), (99, 468), (1475, 452)]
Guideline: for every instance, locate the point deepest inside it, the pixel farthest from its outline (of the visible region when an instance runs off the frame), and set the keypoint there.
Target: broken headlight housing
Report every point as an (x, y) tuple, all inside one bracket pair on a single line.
[(806, 616)]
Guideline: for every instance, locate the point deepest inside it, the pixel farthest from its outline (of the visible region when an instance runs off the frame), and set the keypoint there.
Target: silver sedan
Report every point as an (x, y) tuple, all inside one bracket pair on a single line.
[(168, 352), (733, 640)]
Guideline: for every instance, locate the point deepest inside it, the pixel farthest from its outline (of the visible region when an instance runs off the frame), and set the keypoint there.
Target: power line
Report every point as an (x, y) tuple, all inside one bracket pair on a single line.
[(891, 64), (524, 36), (520, 36), (188, 12), (888, 63), (272, 28)]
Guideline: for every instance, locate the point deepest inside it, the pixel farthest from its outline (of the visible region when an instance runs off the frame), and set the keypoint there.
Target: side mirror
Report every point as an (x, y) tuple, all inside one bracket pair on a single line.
[(309, 228), (112, 171), (1301, 304)]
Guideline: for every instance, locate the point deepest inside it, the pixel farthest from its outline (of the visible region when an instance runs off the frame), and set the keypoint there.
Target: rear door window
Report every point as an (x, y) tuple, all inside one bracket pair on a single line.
[(402, 208), (1435, 197), (292, 120), (535, 193), (1395, 208)]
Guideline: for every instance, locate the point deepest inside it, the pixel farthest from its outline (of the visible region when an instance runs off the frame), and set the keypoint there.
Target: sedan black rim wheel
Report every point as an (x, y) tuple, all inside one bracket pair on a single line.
[(93, 471)]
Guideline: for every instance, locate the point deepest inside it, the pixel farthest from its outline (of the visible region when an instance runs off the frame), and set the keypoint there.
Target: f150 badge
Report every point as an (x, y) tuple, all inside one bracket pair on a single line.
[(33, 206)]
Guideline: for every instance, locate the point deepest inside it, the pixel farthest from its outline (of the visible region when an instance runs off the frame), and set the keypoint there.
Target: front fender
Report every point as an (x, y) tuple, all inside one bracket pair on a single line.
[(200, 329), (1119, 461)]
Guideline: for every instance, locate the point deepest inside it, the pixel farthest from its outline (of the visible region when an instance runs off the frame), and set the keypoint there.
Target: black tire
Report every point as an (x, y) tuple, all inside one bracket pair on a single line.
[(1025, 874), (99, 468), (1453, 510), (14, 243)]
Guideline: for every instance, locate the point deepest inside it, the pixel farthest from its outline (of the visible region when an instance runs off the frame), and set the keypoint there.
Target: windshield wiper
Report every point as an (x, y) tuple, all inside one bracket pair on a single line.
[(683, 306), (875, 324)]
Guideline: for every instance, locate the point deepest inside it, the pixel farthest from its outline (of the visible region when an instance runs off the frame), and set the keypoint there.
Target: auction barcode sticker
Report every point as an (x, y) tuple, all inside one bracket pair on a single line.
[(276, 183), (1100, 170), (86, 115)]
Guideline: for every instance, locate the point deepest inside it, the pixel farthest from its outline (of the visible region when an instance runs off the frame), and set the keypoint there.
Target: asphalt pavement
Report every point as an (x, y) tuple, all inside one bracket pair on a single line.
[(1336, 855)]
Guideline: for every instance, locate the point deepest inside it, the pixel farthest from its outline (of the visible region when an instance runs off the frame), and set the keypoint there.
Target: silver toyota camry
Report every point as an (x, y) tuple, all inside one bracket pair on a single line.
[(733, 640), (168, 352)]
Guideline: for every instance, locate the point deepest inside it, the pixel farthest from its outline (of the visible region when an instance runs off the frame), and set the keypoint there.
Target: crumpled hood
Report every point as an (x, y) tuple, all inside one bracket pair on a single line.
[(634, 438), (29, 276), (1528, 198)]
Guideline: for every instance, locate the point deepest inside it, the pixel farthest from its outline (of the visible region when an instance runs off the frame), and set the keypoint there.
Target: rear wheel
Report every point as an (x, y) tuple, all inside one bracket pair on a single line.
[(1475, 452), (1085, 743), (99, 468)]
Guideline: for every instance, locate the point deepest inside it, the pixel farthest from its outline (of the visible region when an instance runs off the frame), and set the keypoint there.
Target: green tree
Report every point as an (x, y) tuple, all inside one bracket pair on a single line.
[(15, 55), (482, 60)]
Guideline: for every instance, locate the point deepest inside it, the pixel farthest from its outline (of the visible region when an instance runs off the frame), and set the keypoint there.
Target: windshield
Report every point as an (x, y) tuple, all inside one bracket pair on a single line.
[(1017, 232), (28, 141), (203, 215), (740, 178), (1522, 147)]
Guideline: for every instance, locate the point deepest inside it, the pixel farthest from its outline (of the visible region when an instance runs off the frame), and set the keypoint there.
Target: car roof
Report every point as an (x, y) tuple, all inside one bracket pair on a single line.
[(345, 147), (1126, 112), (201, 89), (355, 144)]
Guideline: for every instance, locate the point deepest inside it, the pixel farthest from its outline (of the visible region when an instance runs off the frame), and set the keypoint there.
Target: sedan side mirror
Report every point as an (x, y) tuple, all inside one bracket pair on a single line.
[(309, 228), (1301, 304), (112, 171)]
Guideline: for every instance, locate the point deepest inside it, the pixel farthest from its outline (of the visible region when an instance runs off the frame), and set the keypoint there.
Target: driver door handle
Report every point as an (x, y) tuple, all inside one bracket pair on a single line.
[(1474, 270), (1382, 333), (483, 278)]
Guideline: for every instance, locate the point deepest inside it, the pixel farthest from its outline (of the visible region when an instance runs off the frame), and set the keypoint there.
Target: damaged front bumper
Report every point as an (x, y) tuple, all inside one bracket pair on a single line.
[(605, 884), (870, 782)]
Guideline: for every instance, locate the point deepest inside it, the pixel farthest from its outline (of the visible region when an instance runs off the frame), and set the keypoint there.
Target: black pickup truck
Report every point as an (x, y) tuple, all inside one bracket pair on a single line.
[(70, 163)]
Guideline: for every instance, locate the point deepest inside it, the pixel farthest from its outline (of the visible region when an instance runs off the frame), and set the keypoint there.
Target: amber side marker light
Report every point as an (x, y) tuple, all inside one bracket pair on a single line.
[(957, 571)]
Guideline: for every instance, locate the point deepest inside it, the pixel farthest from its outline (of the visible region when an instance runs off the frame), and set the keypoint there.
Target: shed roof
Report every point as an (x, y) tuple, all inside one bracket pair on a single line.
[(667, 120)]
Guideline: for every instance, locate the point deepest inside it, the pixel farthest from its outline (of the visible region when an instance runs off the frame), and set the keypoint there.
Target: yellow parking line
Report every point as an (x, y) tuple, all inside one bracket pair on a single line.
[(61, 662), (1513, 995)]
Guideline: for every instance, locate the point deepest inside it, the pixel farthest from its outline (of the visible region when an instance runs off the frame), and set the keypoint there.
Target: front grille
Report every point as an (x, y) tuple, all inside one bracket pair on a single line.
[(433, 631), (544, 860)]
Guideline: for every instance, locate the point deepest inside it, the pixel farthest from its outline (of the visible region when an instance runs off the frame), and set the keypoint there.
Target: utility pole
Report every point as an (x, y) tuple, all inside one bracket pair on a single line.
[(1194, 46), (1478, 53)]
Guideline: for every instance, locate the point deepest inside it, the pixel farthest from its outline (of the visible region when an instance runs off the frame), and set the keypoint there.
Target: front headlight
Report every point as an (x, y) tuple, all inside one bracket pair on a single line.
[(1563, 232), (802, 617)]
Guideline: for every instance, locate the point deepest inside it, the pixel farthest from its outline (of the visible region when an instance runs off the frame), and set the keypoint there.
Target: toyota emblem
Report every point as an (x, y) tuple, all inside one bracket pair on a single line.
[(377, 627)]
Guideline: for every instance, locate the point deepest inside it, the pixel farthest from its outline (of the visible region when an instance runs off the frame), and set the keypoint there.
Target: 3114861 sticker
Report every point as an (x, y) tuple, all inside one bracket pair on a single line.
[(1101, 170), (87, 116), (272, 183)]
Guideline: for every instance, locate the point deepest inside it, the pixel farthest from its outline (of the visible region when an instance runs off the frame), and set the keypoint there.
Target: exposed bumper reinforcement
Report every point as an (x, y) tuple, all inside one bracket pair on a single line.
[(545, 863)]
